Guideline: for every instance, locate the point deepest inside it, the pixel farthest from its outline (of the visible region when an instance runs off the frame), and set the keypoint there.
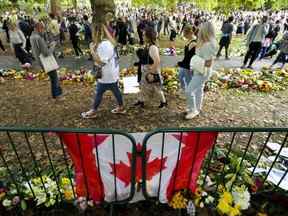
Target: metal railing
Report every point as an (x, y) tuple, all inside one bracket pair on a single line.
[(32, 153), (28, 153), (243, 141)]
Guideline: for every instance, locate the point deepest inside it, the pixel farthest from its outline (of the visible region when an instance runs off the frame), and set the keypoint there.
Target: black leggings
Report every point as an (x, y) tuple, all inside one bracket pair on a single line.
[(253, 52), (76, 47), (282, 58), (1, 45), (224, 42), (21, 54)]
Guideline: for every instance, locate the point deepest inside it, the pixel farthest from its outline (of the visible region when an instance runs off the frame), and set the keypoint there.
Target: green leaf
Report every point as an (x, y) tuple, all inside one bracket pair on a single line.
[(23, 205)]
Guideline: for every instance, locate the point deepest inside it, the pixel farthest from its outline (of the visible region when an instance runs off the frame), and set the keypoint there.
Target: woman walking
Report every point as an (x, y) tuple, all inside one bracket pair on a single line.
[(185, 74), (151, 80), (105, 56), (206, 49), (74, 37), (40, 47), (227, 30), (18, 44)]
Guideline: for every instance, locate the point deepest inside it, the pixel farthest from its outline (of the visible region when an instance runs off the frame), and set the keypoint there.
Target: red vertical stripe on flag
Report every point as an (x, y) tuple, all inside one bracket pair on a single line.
[(196, 145), (87, 166)]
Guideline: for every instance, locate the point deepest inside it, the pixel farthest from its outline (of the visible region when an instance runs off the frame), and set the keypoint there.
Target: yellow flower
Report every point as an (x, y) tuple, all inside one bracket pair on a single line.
[(261, 214), (2, 195), (68, 194), (178, 201), (223, 207), (198, 192), (235, 211), (65, 181), (221, 189), (227, 197)]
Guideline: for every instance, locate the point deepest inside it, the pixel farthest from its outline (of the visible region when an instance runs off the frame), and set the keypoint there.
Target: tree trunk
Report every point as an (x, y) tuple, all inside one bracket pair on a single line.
[(14, 3), (55, 7), (100, 8), (74, 4)]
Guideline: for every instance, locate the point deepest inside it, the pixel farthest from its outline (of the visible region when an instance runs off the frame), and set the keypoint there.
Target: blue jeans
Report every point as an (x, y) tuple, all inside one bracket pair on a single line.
[(185, 77), (263, 52), (55, 85), (101, 88), (195, 91)]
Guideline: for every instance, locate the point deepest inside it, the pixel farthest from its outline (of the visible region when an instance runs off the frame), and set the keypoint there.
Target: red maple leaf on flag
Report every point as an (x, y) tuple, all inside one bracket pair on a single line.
[(123, 171)]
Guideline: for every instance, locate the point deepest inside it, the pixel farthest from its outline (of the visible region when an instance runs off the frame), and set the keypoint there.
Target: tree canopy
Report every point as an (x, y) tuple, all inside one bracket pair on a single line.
[(223, 5)]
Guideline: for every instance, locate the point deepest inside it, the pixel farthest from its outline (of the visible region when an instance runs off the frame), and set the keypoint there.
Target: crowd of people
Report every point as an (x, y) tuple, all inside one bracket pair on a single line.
[(33, 39)]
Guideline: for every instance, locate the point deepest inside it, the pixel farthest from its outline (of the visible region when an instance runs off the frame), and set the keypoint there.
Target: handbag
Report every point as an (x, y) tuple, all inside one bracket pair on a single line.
[(97, 70), (197, 64), (150, 76), (49, 63)]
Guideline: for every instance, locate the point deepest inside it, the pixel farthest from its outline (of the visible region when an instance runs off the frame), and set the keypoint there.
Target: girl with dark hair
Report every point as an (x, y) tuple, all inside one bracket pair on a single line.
[(74, 37), (227, 29), (185, 74), (151, 80)]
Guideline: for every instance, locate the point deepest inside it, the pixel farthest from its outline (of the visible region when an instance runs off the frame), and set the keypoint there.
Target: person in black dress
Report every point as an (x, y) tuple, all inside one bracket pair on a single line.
[(122, 31), (226, 38), (74, 37)]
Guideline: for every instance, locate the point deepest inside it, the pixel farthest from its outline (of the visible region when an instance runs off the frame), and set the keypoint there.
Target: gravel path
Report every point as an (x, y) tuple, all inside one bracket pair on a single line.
[(126, 61)]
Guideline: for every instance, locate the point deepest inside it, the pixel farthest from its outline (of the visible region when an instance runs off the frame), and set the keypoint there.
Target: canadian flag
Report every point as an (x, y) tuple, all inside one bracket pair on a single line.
[(106, 162)]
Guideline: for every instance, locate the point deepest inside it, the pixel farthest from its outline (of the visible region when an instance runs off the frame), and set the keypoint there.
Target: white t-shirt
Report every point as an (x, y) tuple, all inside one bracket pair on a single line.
[(110, 72)]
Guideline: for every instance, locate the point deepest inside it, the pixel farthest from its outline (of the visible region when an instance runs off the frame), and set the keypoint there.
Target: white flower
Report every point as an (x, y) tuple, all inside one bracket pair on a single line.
[(209, 200), (6, 203), (13, 191), (204, 193), (201, 205), (241, 197), (41, 198)]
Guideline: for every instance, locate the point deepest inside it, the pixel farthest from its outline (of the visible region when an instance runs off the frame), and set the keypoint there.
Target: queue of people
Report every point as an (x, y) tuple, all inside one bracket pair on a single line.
[(35, 39)]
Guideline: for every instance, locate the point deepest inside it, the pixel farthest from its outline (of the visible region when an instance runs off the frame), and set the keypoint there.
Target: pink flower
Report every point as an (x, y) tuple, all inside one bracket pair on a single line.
[(16, 200)]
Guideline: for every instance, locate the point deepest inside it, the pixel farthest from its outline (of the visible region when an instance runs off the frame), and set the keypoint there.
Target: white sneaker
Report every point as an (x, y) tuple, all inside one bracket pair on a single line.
[(191, 115)]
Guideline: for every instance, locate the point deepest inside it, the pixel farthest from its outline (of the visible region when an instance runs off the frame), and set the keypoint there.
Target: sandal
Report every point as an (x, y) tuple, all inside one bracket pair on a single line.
[(89, 114), (118, 111)]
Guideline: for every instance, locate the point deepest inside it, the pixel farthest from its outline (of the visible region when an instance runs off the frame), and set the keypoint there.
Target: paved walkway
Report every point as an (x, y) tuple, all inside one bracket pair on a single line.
[(126, 61)]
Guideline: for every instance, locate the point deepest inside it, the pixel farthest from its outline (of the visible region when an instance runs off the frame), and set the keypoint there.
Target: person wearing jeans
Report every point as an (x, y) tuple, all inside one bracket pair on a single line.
[(40, 47), (56, 89), (185, 74), (283, 55), (106, 55), (254, 41), (102, 88), (195, 92), (206, 49)]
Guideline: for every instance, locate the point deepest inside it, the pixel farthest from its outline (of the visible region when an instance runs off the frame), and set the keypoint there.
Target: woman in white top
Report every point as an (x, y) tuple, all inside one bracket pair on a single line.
[(18, 44), (106, 55), (206, 49)]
